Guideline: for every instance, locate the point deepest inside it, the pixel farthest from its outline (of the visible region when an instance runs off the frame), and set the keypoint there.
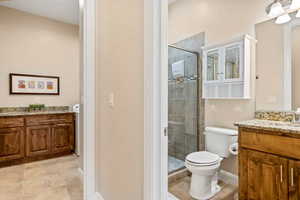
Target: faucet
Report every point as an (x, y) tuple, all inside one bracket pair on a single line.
[(296, 117)]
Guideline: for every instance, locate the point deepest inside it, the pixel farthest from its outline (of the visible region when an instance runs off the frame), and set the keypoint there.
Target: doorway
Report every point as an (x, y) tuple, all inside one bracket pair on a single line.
[(52, 170)]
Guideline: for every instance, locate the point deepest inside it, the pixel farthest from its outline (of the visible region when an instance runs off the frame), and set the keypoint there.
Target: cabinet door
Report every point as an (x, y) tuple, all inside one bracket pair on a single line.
[(11, 144), (62, 138), (233, 62), (38, 141), (264, 177), (294, 180), (212, 62)]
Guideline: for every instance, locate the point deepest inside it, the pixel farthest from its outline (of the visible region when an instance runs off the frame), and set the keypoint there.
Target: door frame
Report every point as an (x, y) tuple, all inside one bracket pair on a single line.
[(88, 94), (155, 99)]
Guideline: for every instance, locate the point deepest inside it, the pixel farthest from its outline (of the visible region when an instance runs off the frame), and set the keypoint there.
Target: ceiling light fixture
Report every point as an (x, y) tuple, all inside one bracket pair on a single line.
[(295, 4), (281, 10), (276, 10), (283, 19), (298, 14)]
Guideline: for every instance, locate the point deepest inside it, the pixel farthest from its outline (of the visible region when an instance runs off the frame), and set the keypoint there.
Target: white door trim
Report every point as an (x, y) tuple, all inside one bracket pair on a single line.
[(88, 29), (288, 68), (155, 99)]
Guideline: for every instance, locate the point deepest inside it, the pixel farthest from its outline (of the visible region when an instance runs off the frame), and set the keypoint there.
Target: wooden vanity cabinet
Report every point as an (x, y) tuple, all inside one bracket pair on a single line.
[(267, 170), (12, 139), (294, 174), (262, 177), (12, 143), (37, 137), (38, 141), (62, 138)]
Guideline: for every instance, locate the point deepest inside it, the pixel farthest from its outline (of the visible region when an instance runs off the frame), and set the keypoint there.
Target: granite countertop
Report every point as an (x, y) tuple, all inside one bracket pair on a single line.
[(269, 125), (11, 114)]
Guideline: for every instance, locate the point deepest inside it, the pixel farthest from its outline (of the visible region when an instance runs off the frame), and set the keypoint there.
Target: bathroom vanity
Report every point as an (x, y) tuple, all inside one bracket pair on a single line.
[(269, 160), (26, 137)]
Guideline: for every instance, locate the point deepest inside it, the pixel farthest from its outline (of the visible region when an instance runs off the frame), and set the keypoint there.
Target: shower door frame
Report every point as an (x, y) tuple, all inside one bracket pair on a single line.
[(198, 96)]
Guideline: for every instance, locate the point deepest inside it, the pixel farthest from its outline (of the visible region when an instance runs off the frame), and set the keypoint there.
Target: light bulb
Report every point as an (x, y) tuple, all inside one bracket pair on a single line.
[(295, 4), (283, 19), (276, 10), (298, 14)]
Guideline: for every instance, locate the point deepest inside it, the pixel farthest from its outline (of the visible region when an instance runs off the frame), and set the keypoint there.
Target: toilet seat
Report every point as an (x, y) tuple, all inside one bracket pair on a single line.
[(203, 158)]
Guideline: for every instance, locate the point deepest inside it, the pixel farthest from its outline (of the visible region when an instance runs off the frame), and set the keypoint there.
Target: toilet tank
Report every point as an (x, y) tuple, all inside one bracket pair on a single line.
[(218, 140)]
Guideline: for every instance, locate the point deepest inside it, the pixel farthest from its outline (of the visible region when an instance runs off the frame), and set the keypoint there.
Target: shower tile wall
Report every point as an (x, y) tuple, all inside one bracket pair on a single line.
[(183, 101), (195, 43)]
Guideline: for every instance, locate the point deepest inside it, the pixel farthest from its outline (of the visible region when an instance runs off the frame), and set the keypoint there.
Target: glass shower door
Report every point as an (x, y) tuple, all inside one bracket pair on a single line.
[(183, 106)]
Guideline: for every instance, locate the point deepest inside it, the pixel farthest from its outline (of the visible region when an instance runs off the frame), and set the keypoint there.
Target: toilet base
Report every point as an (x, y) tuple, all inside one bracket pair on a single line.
[(208, 196)]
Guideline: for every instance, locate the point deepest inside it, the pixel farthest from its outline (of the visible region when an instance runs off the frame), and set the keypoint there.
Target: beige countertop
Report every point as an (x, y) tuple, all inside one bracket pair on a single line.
[(269, 125), (12, 114)]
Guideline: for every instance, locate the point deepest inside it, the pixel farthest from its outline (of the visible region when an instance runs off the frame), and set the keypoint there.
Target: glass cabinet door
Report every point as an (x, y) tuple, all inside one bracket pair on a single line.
[(212, 70), (233, 62)]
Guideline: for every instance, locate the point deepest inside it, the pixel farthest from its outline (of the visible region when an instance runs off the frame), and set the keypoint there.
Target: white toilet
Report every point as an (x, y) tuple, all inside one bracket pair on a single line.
[(205, 165)]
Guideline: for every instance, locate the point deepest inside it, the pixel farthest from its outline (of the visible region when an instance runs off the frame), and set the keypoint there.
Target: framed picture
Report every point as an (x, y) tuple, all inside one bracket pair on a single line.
[(33, 84)]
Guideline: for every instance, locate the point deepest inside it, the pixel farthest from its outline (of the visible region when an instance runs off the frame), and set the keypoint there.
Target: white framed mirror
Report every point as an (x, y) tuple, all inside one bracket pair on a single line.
[(277, 85)]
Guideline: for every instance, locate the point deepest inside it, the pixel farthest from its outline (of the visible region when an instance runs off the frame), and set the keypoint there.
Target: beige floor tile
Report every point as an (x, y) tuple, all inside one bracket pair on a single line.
[(11, 196), (34, 173), (75, 189), (11, 188), (180, 189), (59, 193), (53, 179)]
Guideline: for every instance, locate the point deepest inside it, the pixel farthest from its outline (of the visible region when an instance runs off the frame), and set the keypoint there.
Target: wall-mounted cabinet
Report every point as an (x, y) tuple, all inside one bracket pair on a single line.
[(227, 69)]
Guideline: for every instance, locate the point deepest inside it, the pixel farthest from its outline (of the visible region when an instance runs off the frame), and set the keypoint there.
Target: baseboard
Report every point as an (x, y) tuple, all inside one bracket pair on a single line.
[(81, 173), (228, 177)]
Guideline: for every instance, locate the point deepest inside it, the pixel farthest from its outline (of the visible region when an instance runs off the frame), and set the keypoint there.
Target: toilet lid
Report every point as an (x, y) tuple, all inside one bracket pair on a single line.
[(203, 157)]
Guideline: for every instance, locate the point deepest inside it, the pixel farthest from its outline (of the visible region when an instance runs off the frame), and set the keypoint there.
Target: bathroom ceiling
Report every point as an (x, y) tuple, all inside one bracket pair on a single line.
[(61, 10)]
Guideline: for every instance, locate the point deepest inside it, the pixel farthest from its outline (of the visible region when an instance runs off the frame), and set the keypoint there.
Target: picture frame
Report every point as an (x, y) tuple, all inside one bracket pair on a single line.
[(30, 84)]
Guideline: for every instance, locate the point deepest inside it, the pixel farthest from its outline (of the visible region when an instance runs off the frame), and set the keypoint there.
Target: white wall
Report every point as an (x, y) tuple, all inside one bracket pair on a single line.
[(36, 45), (220, 20), (120, 69)]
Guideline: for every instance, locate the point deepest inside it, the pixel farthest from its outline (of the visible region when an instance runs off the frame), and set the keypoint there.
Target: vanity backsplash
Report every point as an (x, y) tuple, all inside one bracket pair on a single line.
[(26, 109), (283, 116)]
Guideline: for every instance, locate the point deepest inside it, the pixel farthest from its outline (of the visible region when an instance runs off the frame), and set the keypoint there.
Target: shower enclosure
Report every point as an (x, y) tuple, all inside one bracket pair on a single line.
[(183, 101)]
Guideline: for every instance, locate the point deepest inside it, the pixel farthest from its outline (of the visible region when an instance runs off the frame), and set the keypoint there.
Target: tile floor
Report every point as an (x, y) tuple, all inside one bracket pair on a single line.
[(180, 189), (54, 179)]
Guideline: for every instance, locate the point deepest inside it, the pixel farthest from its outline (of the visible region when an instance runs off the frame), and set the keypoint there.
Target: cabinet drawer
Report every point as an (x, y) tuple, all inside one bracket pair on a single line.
[(48, 119), (279, 145), (11, 122)]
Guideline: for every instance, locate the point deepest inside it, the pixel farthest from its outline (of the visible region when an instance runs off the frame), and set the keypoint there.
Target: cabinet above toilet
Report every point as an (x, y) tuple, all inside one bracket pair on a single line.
[(228, 68)]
